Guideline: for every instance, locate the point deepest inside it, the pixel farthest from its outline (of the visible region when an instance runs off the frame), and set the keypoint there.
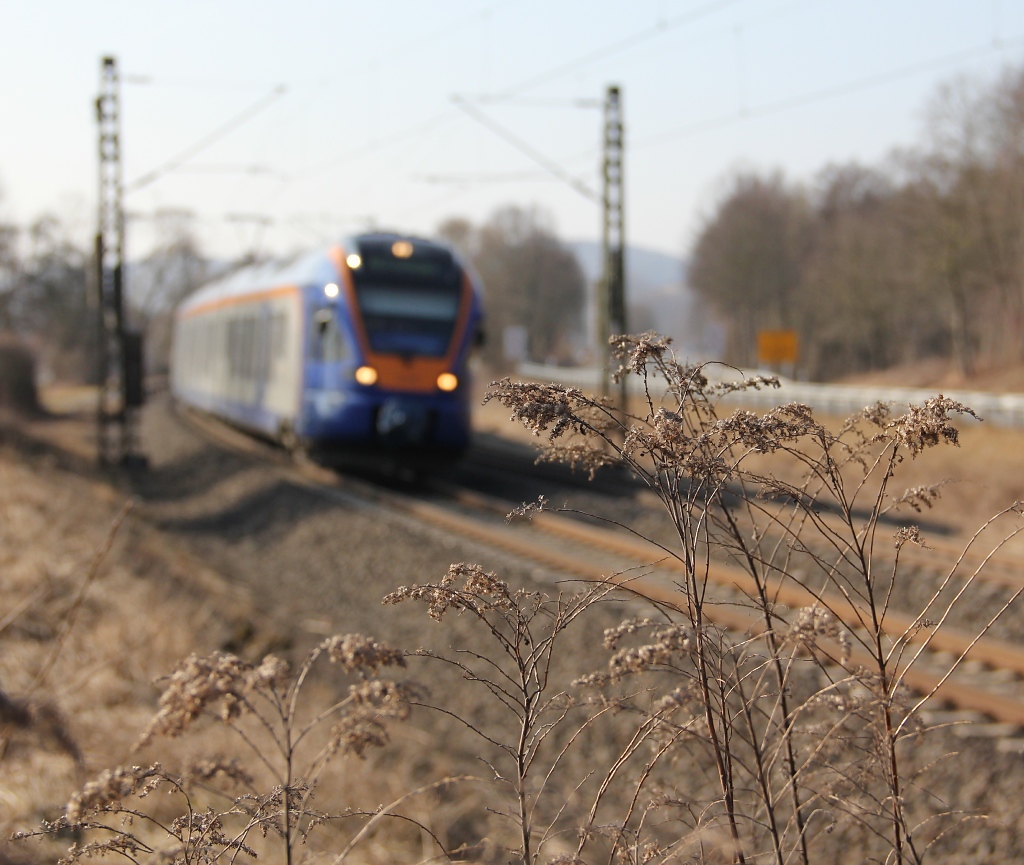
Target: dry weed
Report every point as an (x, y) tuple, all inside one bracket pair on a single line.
[(678, 739)]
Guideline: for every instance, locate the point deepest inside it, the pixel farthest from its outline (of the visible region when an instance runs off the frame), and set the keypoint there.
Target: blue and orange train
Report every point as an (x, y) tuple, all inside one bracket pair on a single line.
[(360, 347)]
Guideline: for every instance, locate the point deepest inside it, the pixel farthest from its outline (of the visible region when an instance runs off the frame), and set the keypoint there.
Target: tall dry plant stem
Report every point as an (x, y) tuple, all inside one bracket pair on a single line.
[(803, 711), (525, 745)]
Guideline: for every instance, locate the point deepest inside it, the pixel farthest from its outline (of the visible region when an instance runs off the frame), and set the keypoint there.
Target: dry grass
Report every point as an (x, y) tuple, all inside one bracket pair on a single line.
[(82, 636), (531, 738)]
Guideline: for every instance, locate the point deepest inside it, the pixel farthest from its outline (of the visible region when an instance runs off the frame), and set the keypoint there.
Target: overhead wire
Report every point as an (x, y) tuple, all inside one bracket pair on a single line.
[(556, 168), (605, 51), (508, 94), (196, 83), (746, 112), (548, 164), (824, 94), (278, 91), (206, 141)]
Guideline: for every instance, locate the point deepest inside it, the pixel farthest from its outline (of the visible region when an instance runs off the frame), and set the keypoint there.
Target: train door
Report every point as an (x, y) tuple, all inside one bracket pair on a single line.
[(329, 348), (328, 356)]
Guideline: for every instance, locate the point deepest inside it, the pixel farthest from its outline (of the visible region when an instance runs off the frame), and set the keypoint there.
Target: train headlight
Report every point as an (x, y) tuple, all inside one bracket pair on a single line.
[(366, 375), (331, 290), (401, 249), (447, 382), (353, 261)]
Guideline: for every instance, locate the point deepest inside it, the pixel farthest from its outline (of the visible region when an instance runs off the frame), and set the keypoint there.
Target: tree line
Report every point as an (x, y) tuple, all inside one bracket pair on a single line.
[(48, 293), (43, 295), (533, 286), (874, 266)]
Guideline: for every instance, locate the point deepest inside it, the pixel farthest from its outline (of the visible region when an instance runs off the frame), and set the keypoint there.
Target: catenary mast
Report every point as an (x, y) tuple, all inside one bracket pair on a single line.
[(119, 354)]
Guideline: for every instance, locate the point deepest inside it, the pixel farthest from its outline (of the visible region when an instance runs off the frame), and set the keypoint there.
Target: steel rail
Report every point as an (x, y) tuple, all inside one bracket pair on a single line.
[(659, 569)]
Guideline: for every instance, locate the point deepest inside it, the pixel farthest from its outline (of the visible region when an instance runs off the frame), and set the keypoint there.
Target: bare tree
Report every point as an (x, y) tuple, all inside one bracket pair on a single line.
[(748, 260), (530, 278), (173, 269), (45, 297), (875, 266)]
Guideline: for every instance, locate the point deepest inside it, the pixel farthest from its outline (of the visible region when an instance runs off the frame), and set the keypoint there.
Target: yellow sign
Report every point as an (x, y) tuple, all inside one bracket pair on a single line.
[(776, 346)]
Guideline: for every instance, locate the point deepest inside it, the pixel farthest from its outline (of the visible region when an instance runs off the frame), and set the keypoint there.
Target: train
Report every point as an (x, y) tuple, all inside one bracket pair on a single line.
[(356, 351)]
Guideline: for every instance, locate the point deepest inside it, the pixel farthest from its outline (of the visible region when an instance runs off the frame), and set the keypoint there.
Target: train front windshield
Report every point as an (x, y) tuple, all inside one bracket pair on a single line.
[(409, 305)]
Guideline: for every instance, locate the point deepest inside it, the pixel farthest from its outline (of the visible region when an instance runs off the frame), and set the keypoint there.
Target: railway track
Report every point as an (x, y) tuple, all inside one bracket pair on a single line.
[(988, 683)]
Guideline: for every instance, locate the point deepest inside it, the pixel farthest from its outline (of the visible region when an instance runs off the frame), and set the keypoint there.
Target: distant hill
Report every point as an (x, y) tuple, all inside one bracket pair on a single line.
[(658, 298), (648, 273)]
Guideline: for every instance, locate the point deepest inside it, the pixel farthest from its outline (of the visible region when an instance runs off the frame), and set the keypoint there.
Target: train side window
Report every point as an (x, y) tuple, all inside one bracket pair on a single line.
[(248, 347), (232, 339), (263, 349), (237, 348), (277, 335)]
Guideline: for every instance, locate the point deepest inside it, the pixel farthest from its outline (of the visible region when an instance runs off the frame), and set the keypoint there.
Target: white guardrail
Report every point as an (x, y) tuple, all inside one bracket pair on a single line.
[(1005, 410)]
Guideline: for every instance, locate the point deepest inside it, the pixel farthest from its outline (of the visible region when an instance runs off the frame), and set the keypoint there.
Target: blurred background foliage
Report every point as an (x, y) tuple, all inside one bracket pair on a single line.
[(531, 281), (921, 256)]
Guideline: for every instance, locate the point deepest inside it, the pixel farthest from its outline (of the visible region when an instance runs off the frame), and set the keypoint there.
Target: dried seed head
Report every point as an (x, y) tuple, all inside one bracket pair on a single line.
[(480, 582), (526, 509), (766, 433), (357, 732), (111, 788), (363, 726), (541, 408), (908, 534), (877, 415), (207, 770), (271, 673), (612, 636), (578, 454), (195, 685), (354, 652), (388, 698), (669, 641), (840, 702), (675, 699), (634, 352), (920, 497), (816, 622), (481, 591), (927, 425), (754, 382)]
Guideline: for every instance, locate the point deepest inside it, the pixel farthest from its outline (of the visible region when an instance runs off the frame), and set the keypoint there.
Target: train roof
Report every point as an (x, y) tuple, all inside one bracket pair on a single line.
[(301, 269)]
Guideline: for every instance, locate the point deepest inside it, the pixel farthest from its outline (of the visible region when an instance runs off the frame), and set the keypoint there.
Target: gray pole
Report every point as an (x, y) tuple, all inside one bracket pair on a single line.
[(117, 367), (611, 308)]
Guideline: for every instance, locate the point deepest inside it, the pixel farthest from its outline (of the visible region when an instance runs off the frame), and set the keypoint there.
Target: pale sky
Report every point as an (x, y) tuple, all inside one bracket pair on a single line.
[(368, 131)]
